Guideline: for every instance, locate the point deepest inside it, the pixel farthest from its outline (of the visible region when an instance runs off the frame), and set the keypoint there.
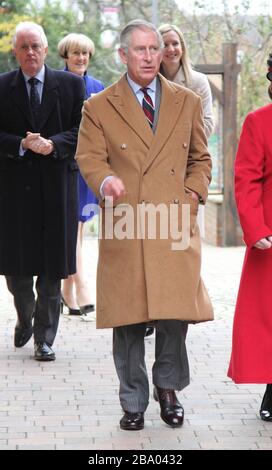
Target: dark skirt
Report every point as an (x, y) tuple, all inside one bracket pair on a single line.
[(86, 197)]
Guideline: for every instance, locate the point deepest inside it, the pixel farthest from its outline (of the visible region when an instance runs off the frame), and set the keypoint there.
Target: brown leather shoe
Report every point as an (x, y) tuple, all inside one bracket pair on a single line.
[(172, 412), (132, 421)]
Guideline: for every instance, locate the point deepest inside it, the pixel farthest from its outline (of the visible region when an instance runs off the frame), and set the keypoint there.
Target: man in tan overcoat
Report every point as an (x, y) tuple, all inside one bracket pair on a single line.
[(142, 145)]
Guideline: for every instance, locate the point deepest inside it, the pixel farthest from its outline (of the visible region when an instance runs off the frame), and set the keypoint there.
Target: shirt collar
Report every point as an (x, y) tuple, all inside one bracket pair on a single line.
[(40, 75), (136, 87)]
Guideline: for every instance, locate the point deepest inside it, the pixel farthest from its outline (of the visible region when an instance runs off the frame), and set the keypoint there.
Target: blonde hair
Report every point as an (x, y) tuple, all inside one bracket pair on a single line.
[(73, 41), (185, 59)]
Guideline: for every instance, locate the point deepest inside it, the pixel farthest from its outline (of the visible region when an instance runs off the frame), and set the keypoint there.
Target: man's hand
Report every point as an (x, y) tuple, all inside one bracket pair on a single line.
[(114, 187), (29, 139), (264, 243), (42, 146), (193, 195), (37, 143)]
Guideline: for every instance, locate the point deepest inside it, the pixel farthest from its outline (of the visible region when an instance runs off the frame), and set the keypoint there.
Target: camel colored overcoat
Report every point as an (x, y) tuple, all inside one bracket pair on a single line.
[(141, 277)]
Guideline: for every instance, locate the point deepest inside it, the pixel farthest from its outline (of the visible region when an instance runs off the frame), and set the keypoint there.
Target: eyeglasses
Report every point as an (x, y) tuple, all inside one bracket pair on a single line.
[(33, 47)]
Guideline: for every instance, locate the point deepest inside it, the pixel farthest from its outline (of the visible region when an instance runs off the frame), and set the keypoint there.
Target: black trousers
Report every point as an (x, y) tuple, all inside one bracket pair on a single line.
[(44, 309)]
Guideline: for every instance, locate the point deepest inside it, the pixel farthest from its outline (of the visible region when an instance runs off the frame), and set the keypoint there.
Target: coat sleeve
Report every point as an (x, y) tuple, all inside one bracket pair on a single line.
[(66, 141), (198, 174), (92, 154), (206, 98), (249, 173)]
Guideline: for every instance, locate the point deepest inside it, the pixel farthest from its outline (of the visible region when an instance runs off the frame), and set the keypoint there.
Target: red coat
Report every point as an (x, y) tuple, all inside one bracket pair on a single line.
[(251, 358)]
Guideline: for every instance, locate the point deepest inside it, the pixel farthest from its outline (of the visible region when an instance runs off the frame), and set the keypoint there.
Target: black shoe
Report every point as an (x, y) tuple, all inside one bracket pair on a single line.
[(87, 309), (71, 311), (172, 413), (132, 421), (266, 406), (149, 331), (22, 336), (43, 352)]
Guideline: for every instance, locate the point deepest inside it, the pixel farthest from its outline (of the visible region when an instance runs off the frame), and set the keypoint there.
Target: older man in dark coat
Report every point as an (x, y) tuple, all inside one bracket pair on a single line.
[(39, 119)]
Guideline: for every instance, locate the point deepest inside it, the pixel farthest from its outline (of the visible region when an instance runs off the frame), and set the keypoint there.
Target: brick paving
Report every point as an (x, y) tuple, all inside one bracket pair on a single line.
[(72, 403)]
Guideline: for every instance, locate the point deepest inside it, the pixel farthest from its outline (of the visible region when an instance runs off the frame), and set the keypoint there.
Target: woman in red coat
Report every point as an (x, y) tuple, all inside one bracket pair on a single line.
[(251, 358)]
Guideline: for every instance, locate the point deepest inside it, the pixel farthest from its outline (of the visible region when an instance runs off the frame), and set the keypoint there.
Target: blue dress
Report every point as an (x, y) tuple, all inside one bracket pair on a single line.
[(85, 195)]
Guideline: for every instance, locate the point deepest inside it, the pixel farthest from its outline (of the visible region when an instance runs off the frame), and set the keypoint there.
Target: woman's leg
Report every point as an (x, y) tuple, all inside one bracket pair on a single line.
[(83, 296), (67, 292)]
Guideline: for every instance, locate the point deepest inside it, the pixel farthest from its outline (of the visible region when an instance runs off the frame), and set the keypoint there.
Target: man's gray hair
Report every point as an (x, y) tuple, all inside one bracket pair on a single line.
[(138, 24), (24, 26)]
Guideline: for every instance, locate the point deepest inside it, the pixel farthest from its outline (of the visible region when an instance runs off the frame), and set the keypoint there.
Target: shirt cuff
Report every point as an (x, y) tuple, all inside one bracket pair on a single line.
[(22, 151)]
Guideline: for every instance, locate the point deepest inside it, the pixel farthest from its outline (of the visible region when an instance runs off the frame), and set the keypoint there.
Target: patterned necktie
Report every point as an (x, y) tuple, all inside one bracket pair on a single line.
[(34, 98), (148, 106)]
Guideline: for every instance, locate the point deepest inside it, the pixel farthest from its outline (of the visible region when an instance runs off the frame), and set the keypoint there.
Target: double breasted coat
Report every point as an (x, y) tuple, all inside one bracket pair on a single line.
[(141, 278), (38, 194), (252, 328)]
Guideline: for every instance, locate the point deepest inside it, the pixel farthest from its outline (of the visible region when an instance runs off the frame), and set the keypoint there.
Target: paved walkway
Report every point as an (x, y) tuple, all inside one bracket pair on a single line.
[(73, 403)]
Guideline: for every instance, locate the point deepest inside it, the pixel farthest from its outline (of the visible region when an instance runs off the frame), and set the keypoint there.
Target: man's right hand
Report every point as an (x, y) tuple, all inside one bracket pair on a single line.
[(264, 243), (29, 139), (114, 187)]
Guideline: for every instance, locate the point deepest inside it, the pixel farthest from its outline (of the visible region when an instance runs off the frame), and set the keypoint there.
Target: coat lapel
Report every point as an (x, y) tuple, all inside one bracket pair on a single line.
[(127, 106), (172, 100), (20, 97), (49, 96)]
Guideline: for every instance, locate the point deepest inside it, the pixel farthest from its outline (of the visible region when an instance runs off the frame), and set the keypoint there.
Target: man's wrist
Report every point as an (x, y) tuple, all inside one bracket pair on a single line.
[(53, 150), (52, 143)]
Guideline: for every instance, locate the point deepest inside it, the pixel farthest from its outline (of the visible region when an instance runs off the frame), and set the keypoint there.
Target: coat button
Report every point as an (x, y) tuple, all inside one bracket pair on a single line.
[(172, 171), (185, 145), (176, 201), (123, 146)]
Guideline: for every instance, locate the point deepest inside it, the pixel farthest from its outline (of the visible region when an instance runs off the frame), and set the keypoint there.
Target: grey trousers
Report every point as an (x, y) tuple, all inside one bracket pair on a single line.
[(170, 369), (45, 310)]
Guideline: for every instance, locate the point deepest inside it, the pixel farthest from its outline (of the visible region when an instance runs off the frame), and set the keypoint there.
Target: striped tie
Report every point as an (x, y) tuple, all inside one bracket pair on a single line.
[(148, 107)]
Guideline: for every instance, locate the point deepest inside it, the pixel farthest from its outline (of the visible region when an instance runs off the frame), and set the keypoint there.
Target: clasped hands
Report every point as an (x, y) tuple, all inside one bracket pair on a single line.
[(37, 143)]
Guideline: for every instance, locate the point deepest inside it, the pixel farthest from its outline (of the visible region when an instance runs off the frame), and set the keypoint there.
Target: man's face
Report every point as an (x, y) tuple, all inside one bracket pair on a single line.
[(143, 56), (30, 52)]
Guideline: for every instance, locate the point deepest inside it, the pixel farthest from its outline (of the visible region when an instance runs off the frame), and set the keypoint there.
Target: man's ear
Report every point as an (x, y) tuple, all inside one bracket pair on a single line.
[(123, 55)]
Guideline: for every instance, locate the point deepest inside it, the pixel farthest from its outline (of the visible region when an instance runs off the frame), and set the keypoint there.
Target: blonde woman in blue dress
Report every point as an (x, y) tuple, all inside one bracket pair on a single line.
[(76, 50)]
